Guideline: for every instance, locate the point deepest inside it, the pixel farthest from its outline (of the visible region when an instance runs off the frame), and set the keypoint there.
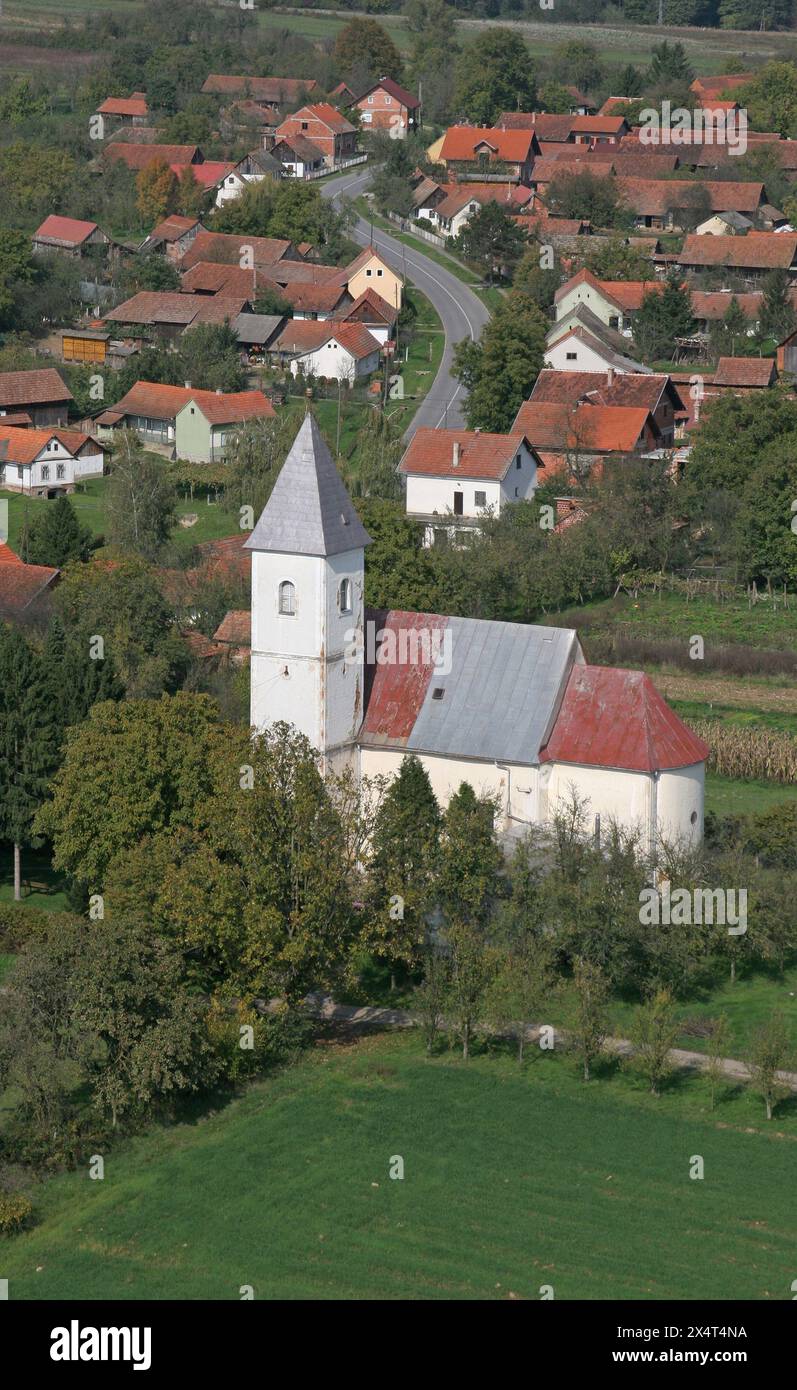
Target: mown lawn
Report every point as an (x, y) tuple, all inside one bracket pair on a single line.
[(731, 796), (42, 885), (513, 1179)]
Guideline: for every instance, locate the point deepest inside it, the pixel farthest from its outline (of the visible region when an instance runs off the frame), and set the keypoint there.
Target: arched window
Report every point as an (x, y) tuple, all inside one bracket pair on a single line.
[(344, 596), (287, 599)]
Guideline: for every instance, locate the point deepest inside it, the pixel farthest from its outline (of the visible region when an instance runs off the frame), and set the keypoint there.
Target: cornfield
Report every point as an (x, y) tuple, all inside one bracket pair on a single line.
[(748, 753)]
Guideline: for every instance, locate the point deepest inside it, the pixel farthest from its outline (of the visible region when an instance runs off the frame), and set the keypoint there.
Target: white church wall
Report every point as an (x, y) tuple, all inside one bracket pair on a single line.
[(680, 801), (513, 787), (609, 792)]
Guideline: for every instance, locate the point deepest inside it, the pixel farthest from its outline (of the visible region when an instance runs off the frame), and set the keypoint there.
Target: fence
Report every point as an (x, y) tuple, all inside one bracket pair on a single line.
[(336, 167), (413, 227)]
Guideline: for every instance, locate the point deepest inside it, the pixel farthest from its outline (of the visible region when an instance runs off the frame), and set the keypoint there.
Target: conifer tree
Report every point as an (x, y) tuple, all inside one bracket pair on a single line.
[(55, 536), (28, 743), (401, 872)]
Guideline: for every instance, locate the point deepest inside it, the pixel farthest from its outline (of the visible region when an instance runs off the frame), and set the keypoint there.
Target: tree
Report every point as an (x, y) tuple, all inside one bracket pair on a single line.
[(728, 336), (150, 273), (430, 996), (494, 73), (28, 744), (663, 317), (401, 872), (253, 460), (72, 680), (555, 98), (433, 53), (669, 63), (270, 300), (578, 63), (144, 1033), (209, 357), (590, 1022), (492, 240), (615, 259), (653, 1033), (766, 544), (521, 988), (141, 500), (499, 371), (769, 1054), (471, 967), (190, 195), (55, 536), (717, 1049), (157, 191), (539, 282), (365, 51), (778, 318), (470, 859), (771, 100), (587, 197), (379, 447)]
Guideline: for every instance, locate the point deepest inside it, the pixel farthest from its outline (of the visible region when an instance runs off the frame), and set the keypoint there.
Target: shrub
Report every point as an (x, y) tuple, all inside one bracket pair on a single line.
[(15, 1212), (17, 925)]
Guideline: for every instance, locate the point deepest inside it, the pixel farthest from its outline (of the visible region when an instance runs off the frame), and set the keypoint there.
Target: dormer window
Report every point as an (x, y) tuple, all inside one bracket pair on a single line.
[(344, 596), (287, 599)]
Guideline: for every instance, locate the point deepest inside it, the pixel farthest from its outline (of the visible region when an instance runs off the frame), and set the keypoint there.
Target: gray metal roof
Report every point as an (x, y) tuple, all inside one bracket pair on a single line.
[(309, 511), (502, 694), (257, 328)]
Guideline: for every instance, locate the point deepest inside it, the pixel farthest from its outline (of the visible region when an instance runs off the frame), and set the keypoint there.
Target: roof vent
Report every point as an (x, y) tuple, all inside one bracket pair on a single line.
[(438, 692)]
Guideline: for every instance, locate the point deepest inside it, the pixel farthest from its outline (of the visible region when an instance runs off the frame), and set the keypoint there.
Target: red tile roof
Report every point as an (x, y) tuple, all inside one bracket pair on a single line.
[(163, 402), (308, 335), (431, 454), (67, 230), (21, 585), (226, 247), (626, 294), (373, 308), (767, 251), (24, 445), (722, 82), (466, 142), (643, 390), (166, 307), (207, 174), (615, 718), (399, 94), (235, 628), (545, 125), (657, 197), (270, 89), (745, 371), (214, 277), (173, 227), (599, 125), (139, 156), (37, 387), (323, 112), (124, 106), (602, 429), (398, 688)]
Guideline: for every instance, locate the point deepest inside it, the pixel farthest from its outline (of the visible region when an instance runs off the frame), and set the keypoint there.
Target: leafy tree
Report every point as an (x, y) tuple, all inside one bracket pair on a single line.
[(431, 995), (270, 301), (769, 1054), (538, 282), (778, 318), (590, 1022), (364, 51), (771, 99), (500, 370), (586, 196), (615, 259), (379, 447), (141, 500), (399, 568), (767, 546), (190, 195), (157, 191), (401, 872), (210, 359), (55, 536), (654, 1031), (28, 744), (578, 63), (472, 965), (433, 53), (728, 335), (470, 859), (492, 240), (555, 98), (72, 680), (494, 73), (662, 318), (291, 209), (253, 460), (717, 1049), (521, 988), (150, 273)]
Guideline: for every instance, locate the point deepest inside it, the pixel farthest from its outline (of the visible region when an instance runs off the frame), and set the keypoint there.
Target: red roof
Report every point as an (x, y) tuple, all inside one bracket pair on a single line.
[(626, 294), (641, 389), (21, 585), (40, 386), (598, 125), (766, 251), (373, 307), (602, 429), (399, 94), (124, 106), (163, 402), (214, 277), (744, 371), (466, 142), (615, 718), (545, 125), (431, 453), (319, 111), (207, 174), (270, 89), (226, 247), (173, 227), (308, 335), (398, 688), (235, 628), (68, 230), (139, 156)]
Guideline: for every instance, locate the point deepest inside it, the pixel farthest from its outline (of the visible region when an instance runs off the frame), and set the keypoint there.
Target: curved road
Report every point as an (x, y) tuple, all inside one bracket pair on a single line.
[(462, 313)]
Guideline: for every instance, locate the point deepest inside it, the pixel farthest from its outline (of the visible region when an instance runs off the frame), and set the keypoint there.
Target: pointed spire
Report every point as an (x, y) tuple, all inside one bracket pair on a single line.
[(309, 511)]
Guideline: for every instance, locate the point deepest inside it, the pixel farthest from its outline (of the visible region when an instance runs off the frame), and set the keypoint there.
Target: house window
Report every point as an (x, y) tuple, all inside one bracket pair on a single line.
[(20, 472), (438, 692), (518, 462), (287, 599), (344, 596), (571, 356), (614, 321), (516, 492), (45, 472), (304, 125), (480, 499), (370, 101), (60, 470), (379, 272)]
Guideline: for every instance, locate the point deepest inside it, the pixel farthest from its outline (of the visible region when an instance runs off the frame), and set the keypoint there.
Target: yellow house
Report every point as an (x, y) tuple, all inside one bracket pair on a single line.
[(370, 272)]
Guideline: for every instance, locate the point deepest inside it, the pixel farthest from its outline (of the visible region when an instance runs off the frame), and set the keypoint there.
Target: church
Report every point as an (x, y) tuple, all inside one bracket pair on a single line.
[(514, 709)]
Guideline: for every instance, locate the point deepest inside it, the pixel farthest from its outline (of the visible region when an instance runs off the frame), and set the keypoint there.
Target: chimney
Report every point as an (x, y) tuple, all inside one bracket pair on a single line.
[(455, 454), (219, 391), (610, 377), (188, 386)]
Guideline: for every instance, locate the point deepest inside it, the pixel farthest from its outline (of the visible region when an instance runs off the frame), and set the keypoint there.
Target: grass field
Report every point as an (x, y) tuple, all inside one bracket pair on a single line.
[(731, 796), (513, 1179), (669, 615), (42, 887)]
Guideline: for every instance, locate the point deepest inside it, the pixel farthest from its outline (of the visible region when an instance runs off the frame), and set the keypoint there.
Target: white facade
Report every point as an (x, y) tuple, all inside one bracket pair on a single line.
[(589, 295), (335, 361), (54, 467), (571, 353), (470, 497)]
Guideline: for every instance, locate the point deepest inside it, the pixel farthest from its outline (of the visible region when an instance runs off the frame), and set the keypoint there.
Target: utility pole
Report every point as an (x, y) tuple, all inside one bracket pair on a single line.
[(337, 435)]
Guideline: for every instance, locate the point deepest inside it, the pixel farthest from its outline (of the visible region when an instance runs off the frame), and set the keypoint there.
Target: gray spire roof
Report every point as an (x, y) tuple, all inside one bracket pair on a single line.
[(309, 511)]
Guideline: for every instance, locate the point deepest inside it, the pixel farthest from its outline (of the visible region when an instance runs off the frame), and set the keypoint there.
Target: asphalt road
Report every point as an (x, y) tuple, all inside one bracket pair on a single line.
[(462, 313)]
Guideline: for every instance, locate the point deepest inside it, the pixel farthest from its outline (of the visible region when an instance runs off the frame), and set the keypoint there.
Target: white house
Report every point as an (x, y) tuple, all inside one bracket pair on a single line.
[(512, 709), (329, 349), (453, 474), (45, 462), (577, 348)]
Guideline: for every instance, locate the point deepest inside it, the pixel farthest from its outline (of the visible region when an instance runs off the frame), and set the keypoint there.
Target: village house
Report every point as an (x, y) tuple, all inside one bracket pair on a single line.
[(183, 422), (124, 111), (374, 312), (298, 155), (598, 130), (711, 306), (614, 302), (710, 88), (248, 119), (230, 249), (573, 438), (482, 152), (740, 375), (333, 351), (22, 586), (454, 477), (39, 394), (651, 391), (387, 106), (138, 157), (664, 203), (369, 271), (161, 316), (69, 236), (279, 92), (172, 238), (45, 462), (584, 344), (512, 709), (450, 206), (325, 128), (749, 257), (725, 224)]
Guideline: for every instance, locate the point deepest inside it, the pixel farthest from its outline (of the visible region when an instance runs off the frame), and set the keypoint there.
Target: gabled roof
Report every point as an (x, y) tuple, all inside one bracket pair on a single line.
[(545, 125), (162, 402), (624, 294), (173, 227), (65, 231), (466, 142), (618, 719), (124, 106), (744, 371), (323, 112), (599, 125), (721, 82), (37, 387), (602, 429), (714, 304), (20, 584), (235, 628), (214, 277), (766, 251), (257, 328), (640, 389), (309, 511), (208, 174), (305, 297), (308, 335), (160, 306), (226, 247), (297, 145), (431, 454), (399, 94), (656, 197), (303, 273), (368, 254), (371, 308), (139, 156), (581, 317), (600, 343), (269, 89), (497, 701)]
